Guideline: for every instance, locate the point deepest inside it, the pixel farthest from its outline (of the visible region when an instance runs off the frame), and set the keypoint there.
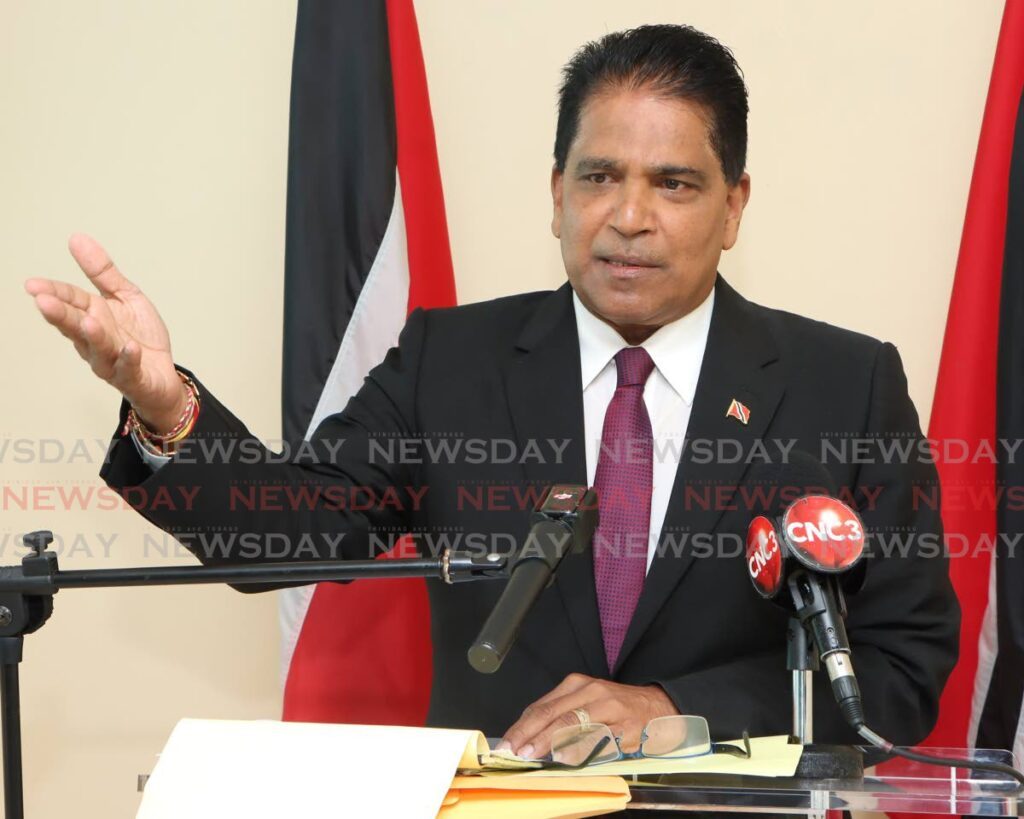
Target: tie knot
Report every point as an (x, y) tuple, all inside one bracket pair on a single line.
[(634, 365)]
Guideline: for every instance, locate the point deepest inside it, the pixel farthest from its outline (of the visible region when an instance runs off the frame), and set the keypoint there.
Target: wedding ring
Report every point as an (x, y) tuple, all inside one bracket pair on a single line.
[(582, 716)]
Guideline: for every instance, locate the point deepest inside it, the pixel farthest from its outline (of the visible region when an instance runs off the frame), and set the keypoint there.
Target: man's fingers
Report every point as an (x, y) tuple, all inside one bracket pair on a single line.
[(604, 710), (61, 315), (103, 334), (541, 742), (625, 709), (530, 736), (103, 344), (533, 717), (92, 341), (75, 296), (97, 265), (35, 286)]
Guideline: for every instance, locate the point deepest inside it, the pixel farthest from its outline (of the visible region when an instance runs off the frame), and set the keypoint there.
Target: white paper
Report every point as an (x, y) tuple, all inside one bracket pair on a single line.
[(222, 768)]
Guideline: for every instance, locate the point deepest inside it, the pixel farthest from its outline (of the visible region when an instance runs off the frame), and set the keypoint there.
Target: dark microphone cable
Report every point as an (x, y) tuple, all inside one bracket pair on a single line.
[(946, 761)]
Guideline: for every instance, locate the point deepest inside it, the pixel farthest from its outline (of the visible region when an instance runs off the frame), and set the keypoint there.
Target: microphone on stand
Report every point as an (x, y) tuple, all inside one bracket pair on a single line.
[(797, 557), (802, 554), (564, 521)]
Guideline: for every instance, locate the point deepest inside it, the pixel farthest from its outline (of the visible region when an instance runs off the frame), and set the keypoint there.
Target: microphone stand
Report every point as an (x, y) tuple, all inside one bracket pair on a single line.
[(817, 761), (26, 602), (801, 660)]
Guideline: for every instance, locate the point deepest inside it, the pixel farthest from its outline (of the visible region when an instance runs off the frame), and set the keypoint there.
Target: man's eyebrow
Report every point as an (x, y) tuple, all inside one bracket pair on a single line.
[(678, 170), (590, 164)]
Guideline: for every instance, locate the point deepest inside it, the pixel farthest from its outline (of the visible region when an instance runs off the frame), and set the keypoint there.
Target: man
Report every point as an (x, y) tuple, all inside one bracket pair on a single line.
[(646, 344)]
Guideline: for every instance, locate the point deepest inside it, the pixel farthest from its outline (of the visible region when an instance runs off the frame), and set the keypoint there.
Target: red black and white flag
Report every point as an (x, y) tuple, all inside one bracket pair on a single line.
[(979, 399), (366, 243)]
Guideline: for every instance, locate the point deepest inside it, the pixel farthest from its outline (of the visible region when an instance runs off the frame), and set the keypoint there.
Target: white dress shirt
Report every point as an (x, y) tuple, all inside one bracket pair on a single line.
[(677, 350)]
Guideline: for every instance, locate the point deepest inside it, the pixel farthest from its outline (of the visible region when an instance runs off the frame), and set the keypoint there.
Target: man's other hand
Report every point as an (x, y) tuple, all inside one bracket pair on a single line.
[(626, 709), (118, 332)]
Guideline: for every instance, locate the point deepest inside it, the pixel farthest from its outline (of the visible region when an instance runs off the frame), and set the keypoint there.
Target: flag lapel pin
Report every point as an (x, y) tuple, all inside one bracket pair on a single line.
[(738, 411)]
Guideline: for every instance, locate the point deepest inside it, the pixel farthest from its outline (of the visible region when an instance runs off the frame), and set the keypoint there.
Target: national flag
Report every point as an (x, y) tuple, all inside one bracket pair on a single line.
[(366, 243), (979, 399), (738, 411)]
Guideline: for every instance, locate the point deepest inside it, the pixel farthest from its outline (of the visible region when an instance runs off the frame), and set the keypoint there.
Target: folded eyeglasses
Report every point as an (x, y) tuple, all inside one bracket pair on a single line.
[(672, 737)]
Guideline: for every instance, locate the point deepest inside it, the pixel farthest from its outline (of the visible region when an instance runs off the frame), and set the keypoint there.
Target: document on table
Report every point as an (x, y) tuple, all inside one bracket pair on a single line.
[(217, 768)]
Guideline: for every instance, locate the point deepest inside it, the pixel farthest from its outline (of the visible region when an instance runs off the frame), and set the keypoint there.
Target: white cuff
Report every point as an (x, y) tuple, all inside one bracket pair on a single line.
[(154, 461)]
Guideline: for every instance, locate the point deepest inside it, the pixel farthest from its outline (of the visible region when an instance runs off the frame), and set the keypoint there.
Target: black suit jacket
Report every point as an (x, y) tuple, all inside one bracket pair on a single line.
[(509, 370)]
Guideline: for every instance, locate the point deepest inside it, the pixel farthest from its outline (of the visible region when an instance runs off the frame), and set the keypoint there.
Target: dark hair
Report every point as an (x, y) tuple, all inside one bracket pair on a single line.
[(678, 61)]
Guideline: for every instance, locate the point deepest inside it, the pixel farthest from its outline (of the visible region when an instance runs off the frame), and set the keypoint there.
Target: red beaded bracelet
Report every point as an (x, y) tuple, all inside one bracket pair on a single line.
[(166, 444)]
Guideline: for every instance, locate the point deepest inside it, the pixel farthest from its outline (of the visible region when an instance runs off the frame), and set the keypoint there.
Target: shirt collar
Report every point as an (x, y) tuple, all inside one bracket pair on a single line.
[(677, 348)]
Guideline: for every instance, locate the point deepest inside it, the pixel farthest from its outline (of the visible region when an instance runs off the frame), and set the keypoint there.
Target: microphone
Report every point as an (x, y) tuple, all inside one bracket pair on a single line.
[(796, 558), (564, 520), (808, 547)]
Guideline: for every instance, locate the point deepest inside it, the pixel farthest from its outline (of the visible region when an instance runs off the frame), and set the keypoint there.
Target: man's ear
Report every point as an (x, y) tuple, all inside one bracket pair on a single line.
[(735, 200), (556, 201)]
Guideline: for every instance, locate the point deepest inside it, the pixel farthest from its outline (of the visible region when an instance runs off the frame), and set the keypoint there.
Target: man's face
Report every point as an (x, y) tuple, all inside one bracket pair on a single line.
[(643, 210)]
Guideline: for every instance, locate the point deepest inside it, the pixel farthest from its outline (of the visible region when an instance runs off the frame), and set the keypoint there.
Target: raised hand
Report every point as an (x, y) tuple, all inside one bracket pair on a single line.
[(117, 331)]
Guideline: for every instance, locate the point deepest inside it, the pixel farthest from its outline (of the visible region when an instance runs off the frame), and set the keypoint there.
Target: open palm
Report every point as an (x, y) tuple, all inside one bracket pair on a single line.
[(118, 332)]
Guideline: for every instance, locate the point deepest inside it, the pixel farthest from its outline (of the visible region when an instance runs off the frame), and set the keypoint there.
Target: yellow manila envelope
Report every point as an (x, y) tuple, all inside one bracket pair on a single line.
[(516, 797)]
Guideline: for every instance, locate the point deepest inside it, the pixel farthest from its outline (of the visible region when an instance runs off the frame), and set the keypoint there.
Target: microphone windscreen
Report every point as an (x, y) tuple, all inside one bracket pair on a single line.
[(772, 488), (810, 469)]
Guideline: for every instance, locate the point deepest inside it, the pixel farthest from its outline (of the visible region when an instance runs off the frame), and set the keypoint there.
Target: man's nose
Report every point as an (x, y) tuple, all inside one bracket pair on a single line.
[(632, 214)]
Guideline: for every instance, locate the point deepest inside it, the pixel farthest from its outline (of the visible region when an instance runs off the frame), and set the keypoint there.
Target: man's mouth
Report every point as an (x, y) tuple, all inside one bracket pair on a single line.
[(626, 265)]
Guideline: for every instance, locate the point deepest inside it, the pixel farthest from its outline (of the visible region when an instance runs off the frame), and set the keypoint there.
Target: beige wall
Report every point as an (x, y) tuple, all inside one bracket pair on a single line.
[(161, 128)]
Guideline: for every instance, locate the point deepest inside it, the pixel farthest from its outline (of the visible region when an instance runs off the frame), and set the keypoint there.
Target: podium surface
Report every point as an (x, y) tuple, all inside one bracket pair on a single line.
[(892, 785), (895, 785)]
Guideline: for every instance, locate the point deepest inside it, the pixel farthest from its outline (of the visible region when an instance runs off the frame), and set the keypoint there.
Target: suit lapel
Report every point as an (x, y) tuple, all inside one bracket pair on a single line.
[(739, 363), (545, 395)]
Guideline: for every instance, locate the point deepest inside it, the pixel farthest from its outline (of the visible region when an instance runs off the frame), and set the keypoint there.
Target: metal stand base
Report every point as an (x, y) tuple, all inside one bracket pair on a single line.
[(830, 762)]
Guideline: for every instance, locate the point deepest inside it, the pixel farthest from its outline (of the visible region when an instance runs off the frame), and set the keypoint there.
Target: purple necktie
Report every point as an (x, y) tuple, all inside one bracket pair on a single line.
[(625, 468)]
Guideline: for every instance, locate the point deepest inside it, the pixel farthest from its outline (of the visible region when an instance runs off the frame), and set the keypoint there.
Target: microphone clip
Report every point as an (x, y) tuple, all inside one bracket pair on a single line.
[(458, 567)]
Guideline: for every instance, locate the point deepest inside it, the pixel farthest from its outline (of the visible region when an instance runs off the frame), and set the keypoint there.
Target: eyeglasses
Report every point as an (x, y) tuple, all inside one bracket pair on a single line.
[(674, 737)]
